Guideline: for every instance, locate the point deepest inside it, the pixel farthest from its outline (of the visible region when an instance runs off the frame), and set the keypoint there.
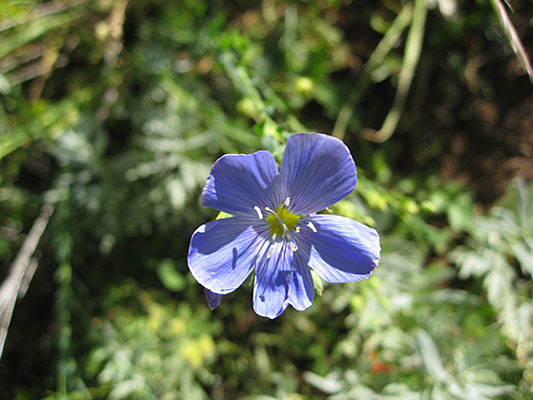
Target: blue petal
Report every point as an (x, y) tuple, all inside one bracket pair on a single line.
[(341, 249), (301, 285), (317, 171), (222, 253), (281, 279), (213, 299), (240, 182)]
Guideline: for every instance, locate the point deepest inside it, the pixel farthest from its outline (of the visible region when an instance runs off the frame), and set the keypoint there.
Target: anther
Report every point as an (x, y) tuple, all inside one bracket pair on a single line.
[(293, 247), (310, 225), (258, 211)]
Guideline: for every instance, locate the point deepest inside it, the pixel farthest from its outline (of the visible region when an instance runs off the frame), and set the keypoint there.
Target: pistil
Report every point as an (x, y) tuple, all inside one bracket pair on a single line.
[(281, 221)]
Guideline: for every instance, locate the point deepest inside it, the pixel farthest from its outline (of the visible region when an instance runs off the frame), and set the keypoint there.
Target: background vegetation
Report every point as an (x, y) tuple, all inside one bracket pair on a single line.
[(112, 113)]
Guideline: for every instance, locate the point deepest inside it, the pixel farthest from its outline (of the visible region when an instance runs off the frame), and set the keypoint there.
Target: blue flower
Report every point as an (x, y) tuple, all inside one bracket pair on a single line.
[(275, 229)]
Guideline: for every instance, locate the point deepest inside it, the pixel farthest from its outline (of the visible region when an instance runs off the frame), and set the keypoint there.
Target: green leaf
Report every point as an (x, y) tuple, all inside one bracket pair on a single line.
[(170, 278)]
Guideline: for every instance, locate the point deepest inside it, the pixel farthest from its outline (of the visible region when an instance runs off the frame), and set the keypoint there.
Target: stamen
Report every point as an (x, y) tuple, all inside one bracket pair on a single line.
[(287, 202), (293, 247), (310, 225), (297, 229), (258, 211), (270, 250)]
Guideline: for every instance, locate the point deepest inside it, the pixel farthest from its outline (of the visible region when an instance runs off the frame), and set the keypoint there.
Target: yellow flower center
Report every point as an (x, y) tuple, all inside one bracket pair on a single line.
[(283, 217)]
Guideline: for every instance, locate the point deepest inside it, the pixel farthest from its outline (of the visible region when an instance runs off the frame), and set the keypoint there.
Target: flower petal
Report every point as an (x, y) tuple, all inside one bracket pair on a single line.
[(301, 286), (281, 278), (317, 171), (213, 299), (240, 182), (222, 253), (341, 249)]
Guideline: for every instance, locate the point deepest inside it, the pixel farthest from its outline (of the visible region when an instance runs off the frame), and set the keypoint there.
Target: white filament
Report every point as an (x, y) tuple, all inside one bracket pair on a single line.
[(285, 229), (270, 250), (293, 247), (258, 211)]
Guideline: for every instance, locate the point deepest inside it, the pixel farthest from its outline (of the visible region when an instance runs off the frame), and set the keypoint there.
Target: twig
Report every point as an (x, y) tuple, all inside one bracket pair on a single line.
[(509, 5), (28, 276), (513, 37), (21, 272)]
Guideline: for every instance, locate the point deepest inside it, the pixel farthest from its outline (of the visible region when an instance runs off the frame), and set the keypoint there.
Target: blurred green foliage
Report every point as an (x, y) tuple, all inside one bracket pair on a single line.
[(114, 111)]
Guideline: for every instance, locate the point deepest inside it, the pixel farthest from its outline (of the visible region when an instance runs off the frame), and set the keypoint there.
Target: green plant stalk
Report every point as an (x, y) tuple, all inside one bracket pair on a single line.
[(413, 48), (63, 300), (66, 367), (376, 59)]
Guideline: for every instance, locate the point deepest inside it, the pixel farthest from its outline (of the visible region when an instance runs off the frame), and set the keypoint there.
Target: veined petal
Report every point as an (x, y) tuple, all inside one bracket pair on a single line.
[(222, 253), (317, 171), (281, 278), (240, 182), (341, 249), (301, 286)]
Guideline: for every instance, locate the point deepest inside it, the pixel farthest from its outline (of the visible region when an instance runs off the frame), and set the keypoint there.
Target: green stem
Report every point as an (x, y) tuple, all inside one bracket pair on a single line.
[(376, 59), (413, 48)]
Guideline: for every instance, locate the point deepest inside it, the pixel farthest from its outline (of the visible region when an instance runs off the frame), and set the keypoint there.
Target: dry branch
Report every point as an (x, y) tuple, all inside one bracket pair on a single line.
[(21, 272)]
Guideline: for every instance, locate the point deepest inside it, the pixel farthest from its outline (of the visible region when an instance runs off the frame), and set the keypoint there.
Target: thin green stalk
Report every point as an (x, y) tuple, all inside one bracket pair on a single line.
[(413, 48), (63, 308), (68, 378), (376, 59)]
